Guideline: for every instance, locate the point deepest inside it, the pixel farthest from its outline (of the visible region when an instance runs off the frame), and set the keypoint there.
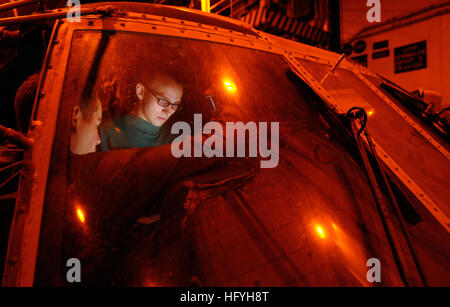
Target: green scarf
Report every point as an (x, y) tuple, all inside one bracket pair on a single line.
[(128, 132)]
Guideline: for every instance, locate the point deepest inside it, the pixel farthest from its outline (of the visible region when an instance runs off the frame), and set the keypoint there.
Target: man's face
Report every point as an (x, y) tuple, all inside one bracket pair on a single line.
[(85, 138), (162, 87)]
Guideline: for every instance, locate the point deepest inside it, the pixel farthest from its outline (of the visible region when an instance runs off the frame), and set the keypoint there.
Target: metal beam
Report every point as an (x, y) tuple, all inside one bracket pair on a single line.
[(52, 15), (16, 4), (217, 4)]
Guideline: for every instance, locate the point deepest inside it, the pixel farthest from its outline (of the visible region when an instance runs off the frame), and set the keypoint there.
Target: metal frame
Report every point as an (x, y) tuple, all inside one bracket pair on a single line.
[(25, 229), (16, 4)]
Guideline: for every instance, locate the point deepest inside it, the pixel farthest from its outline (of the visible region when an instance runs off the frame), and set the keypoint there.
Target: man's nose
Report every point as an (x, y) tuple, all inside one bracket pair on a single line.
[(98, 140)]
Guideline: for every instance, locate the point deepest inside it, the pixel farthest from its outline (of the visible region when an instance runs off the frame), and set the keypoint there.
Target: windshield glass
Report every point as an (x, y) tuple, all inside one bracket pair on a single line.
[(426, 164), (135, 213)]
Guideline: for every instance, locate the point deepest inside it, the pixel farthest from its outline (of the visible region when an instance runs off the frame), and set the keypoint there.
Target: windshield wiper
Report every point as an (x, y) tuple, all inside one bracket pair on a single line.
[(420, 108), (411, 276)]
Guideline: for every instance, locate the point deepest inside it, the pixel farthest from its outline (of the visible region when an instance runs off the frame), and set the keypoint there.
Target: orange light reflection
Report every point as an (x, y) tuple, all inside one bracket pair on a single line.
[(229, 85), (80, 215), (320, 232), (353, 252)]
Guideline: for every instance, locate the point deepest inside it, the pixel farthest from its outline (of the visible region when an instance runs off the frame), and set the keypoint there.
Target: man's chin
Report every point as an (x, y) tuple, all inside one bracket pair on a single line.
[(158, 123)]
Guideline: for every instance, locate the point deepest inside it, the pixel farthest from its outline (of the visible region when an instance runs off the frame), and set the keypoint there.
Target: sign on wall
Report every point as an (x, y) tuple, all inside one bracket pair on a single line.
[(380, 54), (380, 45), (347, 49), (362, 59), (410, 57), (359, 46)]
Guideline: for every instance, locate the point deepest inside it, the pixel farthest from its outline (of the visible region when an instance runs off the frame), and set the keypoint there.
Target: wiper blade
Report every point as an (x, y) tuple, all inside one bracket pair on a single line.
[(411, 276)]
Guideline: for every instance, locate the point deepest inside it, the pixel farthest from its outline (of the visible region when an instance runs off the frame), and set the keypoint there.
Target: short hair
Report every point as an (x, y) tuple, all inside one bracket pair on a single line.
[(89, 109), (90, 104), (148, 74)]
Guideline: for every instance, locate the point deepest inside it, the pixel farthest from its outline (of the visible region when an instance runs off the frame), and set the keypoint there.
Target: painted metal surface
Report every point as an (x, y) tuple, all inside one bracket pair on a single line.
[(25, 230)]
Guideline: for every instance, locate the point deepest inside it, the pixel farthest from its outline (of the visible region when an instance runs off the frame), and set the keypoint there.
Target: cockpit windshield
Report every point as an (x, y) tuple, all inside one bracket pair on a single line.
[(137, 210)]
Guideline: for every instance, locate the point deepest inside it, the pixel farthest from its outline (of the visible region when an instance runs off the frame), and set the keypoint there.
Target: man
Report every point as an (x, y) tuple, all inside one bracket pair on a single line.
[(86, 119), (157, 102)]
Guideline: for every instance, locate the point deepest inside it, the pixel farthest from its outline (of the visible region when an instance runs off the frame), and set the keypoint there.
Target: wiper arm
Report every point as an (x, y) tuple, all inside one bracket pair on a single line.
[(402, 257), (333, 68)]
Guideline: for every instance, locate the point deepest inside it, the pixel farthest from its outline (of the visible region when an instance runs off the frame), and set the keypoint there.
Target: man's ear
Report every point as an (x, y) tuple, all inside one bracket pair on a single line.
[(140, 89), (75, 117)]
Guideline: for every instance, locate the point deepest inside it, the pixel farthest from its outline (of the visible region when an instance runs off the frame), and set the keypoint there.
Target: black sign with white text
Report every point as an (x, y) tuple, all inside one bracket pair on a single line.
[(380, 45), (410, 57), (380, 54), (362, 59)]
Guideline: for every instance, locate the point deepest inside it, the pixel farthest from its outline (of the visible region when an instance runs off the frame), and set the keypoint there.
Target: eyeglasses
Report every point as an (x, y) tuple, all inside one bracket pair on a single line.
[(164, 103)]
